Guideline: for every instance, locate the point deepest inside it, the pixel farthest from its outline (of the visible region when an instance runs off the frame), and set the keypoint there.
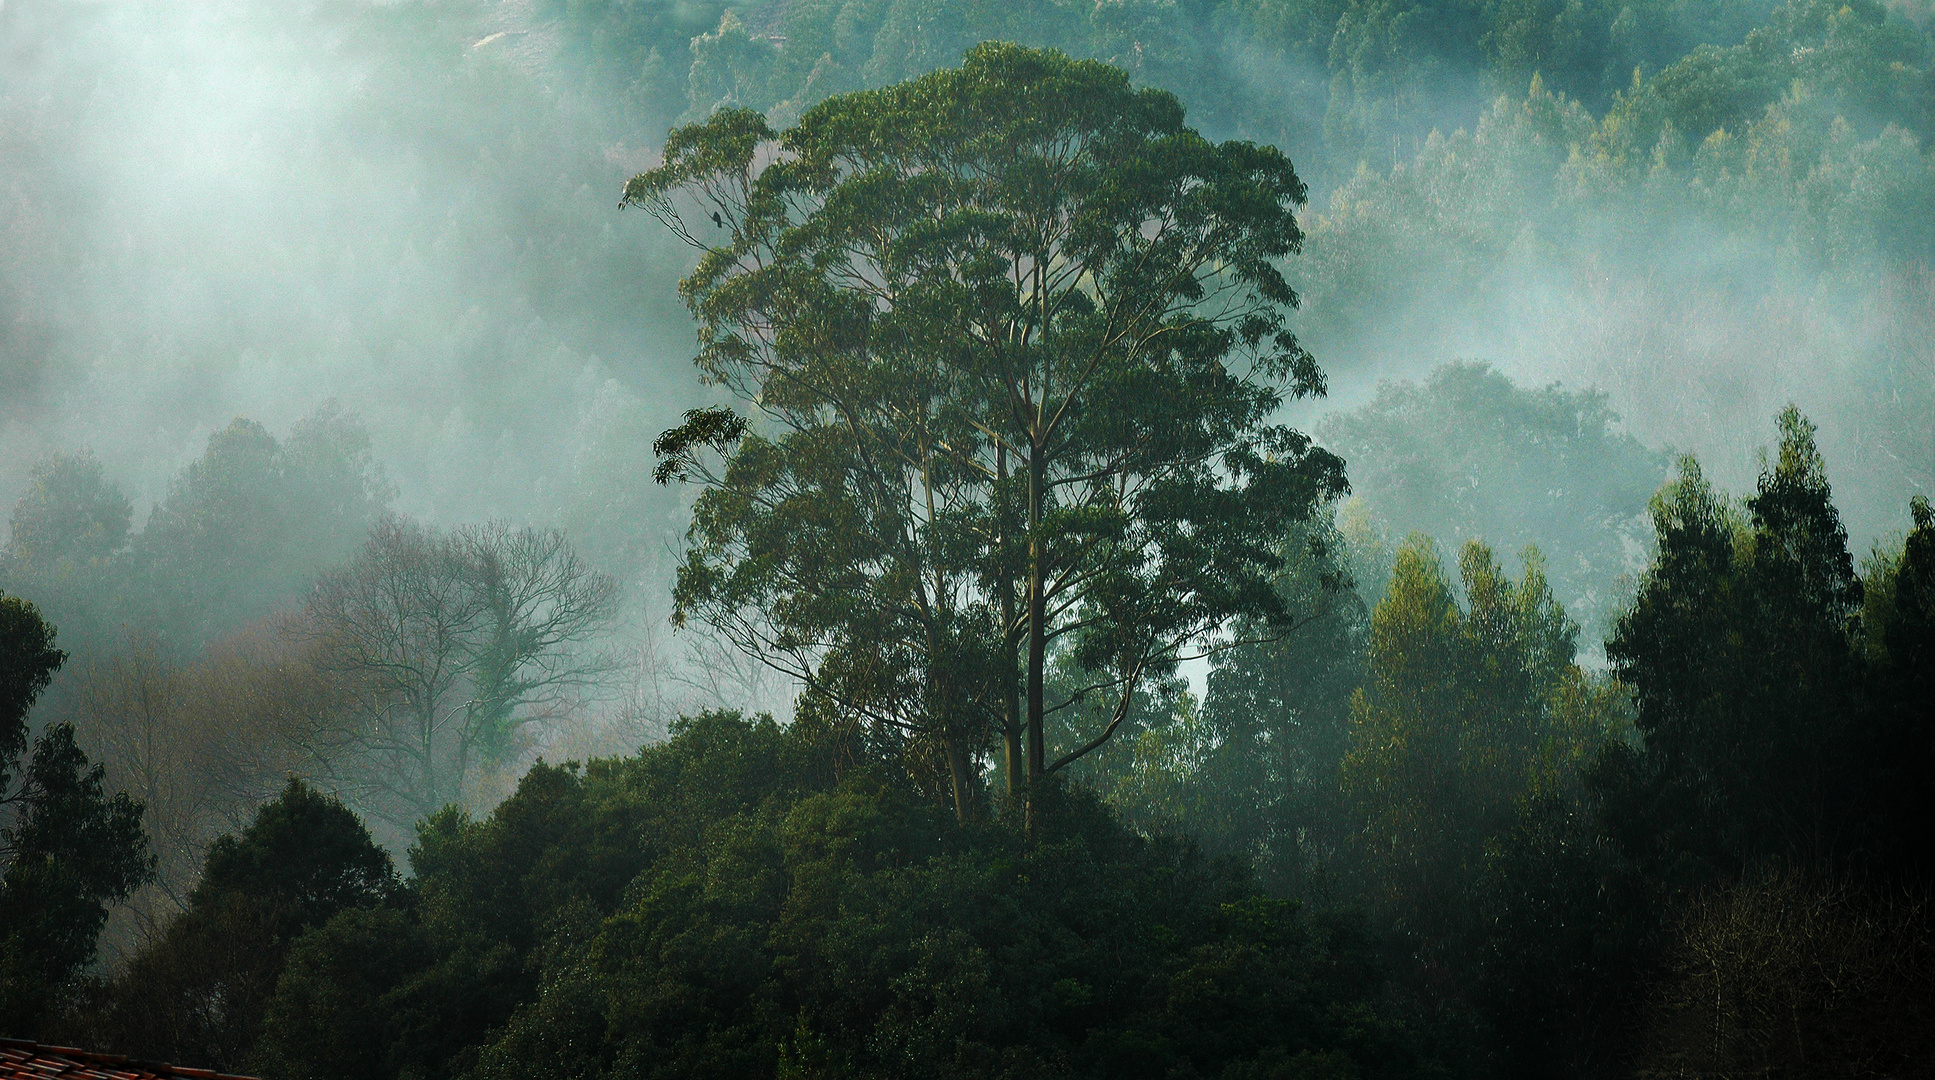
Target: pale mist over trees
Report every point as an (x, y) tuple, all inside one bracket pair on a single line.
[(1227, 539)]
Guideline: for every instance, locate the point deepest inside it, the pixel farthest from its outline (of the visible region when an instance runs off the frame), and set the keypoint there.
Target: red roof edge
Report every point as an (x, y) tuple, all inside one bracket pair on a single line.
[(156, 1067)]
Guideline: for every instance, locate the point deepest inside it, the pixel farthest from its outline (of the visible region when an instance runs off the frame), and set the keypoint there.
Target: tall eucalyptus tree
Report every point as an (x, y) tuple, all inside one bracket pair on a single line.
[(1016, 333)]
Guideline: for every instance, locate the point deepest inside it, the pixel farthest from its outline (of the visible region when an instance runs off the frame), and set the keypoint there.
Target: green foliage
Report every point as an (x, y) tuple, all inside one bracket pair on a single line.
[(244, 527), (423, 987), (1467, 711), (729, 67), (1020, 331), (1338, 80), (28, 660), (70, 520), (1658, 891), (1910, 632), (643, 50), (337, 1013), (71, 851), (303, 858), (198, 992), (1901, 690), (1548, 207), (68, 849), (749, 900), (1571, 936), (724, 904), (1860, 63), (752, 900), (68, 535), (1251, 771), (250, 521), (1739, 655)]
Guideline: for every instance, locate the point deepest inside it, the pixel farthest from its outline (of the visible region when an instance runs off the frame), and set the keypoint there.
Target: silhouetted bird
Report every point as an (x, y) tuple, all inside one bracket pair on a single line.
[(717, 220)]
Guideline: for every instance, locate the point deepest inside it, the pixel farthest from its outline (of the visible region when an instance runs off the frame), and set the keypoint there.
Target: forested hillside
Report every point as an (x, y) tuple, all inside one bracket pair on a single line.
[(1244, 539)]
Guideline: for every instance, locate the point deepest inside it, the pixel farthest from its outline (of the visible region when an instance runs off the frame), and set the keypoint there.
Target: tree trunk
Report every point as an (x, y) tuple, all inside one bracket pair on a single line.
[(1016, 766), (1037, 636), (963, 782), (428, 722)]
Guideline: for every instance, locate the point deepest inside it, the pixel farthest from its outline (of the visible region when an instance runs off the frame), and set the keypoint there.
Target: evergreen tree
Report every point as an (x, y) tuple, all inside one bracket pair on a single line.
[(1467, 710), (68, 849), (197, 994), (1901, 697), (1739, 655)]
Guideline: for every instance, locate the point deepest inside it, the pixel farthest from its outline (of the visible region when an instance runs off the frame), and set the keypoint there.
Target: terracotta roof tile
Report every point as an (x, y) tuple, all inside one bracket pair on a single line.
[(22, 1060)]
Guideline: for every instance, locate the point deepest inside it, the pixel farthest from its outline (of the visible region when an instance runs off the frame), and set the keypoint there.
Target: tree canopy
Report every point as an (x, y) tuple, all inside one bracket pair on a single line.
[(722, 905), (198, 990), (1018, 332)]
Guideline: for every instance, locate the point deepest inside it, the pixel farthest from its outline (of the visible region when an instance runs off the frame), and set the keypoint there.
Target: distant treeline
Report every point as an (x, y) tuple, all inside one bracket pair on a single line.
[(1349, 76), (1808, 120)]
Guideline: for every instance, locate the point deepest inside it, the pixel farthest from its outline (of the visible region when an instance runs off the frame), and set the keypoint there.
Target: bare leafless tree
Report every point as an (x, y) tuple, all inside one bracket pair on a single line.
[(447, 644), (541, 604), (396, 624), (1786, 973)]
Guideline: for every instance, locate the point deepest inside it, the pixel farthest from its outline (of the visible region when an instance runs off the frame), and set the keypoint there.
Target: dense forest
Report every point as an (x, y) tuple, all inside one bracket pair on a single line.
[(1245, 539)]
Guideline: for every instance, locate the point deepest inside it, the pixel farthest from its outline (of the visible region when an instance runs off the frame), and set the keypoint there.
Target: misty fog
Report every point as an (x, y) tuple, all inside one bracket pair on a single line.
[(301, 300)]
